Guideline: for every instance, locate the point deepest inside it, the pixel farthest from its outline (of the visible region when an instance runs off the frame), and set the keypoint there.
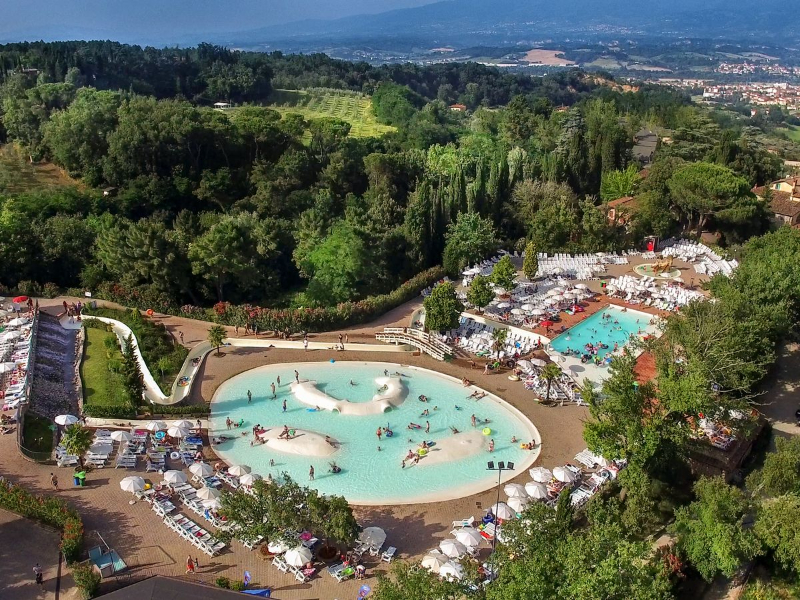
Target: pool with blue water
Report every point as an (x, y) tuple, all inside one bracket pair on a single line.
[(371, 476), (610, 326)]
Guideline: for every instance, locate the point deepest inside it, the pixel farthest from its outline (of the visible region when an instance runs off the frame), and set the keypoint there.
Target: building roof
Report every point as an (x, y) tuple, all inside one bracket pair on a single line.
[(166, 588), (458, 106), (622, 202), (782, 204)]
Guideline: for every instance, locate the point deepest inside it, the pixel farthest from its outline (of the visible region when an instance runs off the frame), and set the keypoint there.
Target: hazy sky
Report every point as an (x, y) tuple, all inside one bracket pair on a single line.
[(167, 19)]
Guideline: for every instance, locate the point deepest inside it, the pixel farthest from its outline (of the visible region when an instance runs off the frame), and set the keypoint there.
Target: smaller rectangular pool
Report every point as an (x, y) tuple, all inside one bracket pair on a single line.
[(607, 327)]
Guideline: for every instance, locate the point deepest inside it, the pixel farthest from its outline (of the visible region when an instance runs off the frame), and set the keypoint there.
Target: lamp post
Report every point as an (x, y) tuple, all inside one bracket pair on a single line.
[(500, 467)]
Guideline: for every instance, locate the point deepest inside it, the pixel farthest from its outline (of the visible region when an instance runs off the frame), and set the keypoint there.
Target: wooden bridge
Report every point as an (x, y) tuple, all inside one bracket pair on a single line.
[(427, 343)]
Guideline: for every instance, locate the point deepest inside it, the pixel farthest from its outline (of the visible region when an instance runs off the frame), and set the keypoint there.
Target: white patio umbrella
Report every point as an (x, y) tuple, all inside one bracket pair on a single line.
[(201, 469), (499, 291), (536, 490), (527, 306), (503, 305), (373, 536), (541, 475), (175, 476), (249, 478), (10, 335), (277, 547), (554, 291), (581, 286), (297, 557), (525, 365), (177, 432), (610, 289), (517, 311), (213, 504), (452, 548), (239, 470), (564, 474), (501, 510), (469, 537), (207, 493), (557, 298), (132, 484), (64, 420), (451, 570), (121, 436), (550, 301), (17, 322), (156, 426), (519, 504), (601, 461), (433, 561), (101, 448), (538, 362), (570, 294), (515, 490), (183, 424), (538, 312)]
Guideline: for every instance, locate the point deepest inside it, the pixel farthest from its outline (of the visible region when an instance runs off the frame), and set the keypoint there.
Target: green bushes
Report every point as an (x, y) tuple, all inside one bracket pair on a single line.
[(223, 582), (50, 511), (110, 411), (87, 580), (198, 410)]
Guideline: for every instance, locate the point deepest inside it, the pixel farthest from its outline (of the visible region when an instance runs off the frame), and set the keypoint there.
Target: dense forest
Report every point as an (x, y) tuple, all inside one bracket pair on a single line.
[(251, 205)]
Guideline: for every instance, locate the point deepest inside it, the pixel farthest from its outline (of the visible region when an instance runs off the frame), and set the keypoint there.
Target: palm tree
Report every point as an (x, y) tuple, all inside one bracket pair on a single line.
[(550, 372), (499, 336), (77, 440), (216, 335)]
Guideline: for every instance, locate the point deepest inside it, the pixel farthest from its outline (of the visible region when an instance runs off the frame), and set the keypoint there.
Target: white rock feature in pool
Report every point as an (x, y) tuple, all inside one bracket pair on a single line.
[(394, 394), (304, 442), (455, 447)]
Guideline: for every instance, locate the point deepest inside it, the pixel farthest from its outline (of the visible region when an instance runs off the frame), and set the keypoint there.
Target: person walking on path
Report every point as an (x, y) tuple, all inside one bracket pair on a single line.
[(249, 396), (38, 575), (180, 335), (189, 565), (311, 473), (54, 481), (305, 344)]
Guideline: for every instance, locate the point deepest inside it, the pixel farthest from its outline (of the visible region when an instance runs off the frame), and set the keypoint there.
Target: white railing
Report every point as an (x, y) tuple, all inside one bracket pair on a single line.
[(426, 342)]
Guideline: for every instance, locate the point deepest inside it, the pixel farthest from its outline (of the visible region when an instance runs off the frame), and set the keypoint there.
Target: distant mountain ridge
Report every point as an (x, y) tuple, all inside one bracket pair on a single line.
[(472, 21)]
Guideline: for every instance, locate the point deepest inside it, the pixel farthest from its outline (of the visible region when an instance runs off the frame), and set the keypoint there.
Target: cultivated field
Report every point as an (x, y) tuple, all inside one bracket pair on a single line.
[(547, 58), (348, 106), (18, 175)]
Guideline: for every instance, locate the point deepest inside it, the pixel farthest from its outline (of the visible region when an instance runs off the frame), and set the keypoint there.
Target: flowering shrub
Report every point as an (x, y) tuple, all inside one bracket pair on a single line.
[(50, 511)]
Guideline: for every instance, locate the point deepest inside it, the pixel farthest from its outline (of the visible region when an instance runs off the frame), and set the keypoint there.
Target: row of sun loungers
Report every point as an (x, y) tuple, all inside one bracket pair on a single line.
[(193, 533)]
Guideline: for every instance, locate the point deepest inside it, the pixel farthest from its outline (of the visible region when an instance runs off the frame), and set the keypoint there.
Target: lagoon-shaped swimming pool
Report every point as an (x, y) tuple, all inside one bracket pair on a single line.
[(350, 415), (608, 327)]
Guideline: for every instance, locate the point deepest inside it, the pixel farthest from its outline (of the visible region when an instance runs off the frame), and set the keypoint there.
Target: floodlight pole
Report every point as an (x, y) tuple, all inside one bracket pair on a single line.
[(500, 467)]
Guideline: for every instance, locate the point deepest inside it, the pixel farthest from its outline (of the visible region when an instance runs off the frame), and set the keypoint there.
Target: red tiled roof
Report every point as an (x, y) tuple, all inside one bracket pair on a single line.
[(621, 201)]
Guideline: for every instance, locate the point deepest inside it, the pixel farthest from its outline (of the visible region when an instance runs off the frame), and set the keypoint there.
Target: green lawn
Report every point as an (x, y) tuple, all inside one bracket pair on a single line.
[(18, 175), (100, 385), (348, 106), (794, 133)]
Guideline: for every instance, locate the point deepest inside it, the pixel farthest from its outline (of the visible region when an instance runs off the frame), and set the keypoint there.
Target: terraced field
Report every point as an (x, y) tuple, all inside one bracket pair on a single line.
[(354, 108)]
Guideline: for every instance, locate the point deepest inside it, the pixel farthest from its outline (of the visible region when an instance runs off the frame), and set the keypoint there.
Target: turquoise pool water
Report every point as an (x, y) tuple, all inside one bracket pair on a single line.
[(597, 329), (370, 476)]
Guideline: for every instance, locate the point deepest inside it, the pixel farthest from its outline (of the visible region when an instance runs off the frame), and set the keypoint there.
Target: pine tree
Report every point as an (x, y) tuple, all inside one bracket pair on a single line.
[(131, 372)]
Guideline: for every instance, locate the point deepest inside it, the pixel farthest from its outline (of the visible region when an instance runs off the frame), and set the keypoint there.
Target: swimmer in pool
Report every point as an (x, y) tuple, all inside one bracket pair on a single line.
[(352, 382), (422, 398), (425, 413), (435, 408), (457, 407), (453, 429)]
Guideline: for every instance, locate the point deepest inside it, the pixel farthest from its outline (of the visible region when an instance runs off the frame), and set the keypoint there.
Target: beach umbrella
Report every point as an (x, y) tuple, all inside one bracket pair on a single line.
[(297, 557), (546, 323), (249, 478), (433, 561), (515, 490), (554, 291), (17, 322), (557, 298), (121, 436), (62, 420), (175, 477), (541, 475), (20, 299), (538, 362), (610, 289), (177, 432), (536, 490), (501, 510), (239, 470), (10, 335), (571, 294), (581, 286), (503, 305), (538, 312), (564, 474), (470, 537), (213, 504), (277, 547), (528, 307), (208, 493), (373, 536), (201, 469), (101, 448), (132, 484), (519, 504), (451, 570), (156, 426), (550, 301), (517, 311), (452, 548), (183, 424), (499, 291)]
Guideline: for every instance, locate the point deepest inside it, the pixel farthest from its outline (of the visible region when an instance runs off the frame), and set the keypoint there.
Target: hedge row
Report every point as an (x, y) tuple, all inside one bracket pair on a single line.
[(51, 511), (130, 412), (269, 319)]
